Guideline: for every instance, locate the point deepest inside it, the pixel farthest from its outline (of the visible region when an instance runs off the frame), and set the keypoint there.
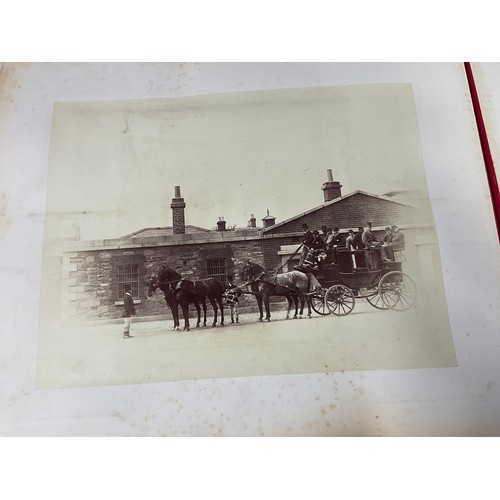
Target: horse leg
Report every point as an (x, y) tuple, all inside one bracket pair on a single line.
[(302, 302), (221, 307), (309, 312), (266, 303), (185, 312), (296, 301), (175, 315), (289, 300), (214, 305), (198, 310), (259, 304), (306, 298), (204, 305)]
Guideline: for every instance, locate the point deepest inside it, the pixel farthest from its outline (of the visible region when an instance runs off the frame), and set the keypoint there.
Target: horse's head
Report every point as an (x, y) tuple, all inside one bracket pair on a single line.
[(251, 271), (153, 284)]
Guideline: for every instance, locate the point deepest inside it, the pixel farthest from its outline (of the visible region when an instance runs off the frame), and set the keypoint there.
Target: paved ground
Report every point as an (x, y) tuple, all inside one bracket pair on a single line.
[(364, 340)]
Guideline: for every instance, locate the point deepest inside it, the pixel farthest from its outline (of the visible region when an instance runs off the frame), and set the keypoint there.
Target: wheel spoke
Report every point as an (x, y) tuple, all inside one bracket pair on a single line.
[(402, 297), (397, 290)]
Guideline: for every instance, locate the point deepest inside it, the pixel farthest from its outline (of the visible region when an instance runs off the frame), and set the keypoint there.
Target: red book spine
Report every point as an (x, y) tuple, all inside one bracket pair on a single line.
[(483, 137)]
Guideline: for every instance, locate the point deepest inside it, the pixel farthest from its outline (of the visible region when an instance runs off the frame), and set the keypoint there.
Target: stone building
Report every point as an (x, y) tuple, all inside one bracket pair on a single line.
[(92, 273)]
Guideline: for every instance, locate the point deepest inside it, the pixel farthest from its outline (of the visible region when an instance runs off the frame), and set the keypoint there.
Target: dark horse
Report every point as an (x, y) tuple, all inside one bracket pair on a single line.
[(293, 285), (180, 291)]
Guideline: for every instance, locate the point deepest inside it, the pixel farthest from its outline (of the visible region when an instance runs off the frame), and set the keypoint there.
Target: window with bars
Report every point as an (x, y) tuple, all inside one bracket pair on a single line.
[(128, 274), (216, 268)]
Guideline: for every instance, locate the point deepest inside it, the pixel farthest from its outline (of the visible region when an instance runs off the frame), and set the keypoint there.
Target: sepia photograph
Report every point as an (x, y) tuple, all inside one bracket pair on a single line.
[(252, 233), (247, 249)]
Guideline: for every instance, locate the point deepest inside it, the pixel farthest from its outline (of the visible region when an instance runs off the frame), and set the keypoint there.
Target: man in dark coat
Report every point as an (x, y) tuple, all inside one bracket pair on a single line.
[(357, 244), (371, 241), (316, 247), (334, 240), (307, 241), (129, 311)]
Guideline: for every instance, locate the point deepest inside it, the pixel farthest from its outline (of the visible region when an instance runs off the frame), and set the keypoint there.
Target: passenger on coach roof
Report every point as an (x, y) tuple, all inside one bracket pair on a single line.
[(371, 241), (387, 243)]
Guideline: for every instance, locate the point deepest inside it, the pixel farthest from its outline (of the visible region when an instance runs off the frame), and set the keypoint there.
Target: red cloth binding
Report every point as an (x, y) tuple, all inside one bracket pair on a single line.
[(483, 137)]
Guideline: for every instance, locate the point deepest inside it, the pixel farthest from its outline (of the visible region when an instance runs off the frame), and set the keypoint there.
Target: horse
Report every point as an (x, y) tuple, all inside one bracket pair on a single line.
[(180, 291), (255, 289), (293, 285)]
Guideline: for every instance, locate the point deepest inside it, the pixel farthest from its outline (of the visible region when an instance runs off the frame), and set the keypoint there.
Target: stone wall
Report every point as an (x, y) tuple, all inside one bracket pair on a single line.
[(90, 276)]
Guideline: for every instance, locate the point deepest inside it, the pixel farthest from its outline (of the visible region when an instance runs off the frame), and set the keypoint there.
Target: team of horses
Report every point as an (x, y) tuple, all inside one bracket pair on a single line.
[(179, 291), (295, 286)]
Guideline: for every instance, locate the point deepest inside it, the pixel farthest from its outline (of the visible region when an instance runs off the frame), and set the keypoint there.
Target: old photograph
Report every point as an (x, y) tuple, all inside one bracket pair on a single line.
[(238, 234)]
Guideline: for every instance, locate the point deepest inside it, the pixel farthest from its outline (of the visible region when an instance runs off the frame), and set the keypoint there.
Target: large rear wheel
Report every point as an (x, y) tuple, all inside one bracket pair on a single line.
[(339, 300), (375, 300), (398, 291)]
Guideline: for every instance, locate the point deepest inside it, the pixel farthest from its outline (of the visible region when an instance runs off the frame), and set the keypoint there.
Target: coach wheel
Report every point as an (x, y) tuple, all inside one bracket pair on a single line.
[(375, 300), (319, 306), (339, 300), (398, 291)]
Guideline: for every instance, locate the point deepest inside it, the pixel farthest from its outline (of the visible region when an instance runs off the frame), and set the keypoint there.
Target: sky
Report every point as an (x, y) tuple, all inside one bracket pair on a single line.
[(113, 166)]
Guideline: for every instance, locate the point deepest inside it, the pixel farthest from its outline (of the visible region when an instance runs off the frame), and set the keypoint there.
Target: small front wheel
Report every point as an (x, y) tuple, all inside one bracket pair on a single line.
[(319, 306), (339, 300)]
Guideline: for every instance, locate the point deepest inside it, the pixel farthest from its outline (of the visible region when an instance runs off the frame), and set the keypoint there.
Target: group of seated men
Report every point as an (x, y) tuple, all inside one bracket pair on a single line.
[(321, 247)]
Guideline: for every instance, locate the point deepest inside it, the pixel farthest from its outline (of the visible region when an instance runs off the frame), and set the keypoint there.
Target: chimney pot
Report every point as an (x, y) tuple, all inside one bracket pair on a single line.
[(253, 221)]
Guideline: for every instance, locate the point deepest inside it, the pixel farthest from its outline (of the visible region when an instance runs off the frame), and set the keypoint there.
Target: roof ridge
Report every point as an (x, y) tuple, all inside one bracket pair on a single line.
[(332, 202)]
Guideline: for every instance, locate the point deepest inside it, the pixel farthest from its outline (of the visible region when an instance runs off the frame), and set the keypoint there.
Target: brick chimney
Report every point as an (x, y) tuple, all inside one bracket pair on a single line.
[(178, 206), (331, 188), (221, 224), (253, 221), (269, 220)]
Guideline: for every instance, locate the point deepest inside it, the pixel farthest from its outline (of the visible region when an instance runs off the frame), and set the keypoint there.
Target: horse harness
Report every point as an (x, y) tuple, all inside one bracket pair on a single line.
[(259, 279)]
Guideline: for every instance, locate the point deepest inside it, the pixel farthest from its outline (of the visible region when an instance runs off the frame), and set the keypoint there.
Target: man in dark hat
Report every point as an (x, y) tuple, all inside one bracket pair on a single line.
[(357, 244), (307, 240), (334, 241), (371, 241), (129, 311), (315, 248)]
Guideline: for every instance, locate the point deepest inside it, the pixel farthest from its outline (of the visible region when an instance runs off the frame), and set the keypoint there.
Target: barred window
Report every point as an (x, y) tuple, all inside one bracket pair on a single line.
[(128, 274), (216, 268)]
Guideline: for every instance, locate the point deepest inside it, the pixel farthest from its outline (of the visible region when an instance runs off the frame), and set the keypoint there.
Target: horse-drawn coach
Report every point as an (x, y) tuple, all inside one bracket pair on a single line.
[(335, 286), (332, 289)]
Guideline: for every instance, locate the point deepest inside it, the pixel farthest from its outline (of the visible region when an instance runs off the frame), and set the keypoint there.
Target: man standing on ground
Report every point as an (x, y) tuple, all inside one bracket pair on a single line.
[(129, 311)]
